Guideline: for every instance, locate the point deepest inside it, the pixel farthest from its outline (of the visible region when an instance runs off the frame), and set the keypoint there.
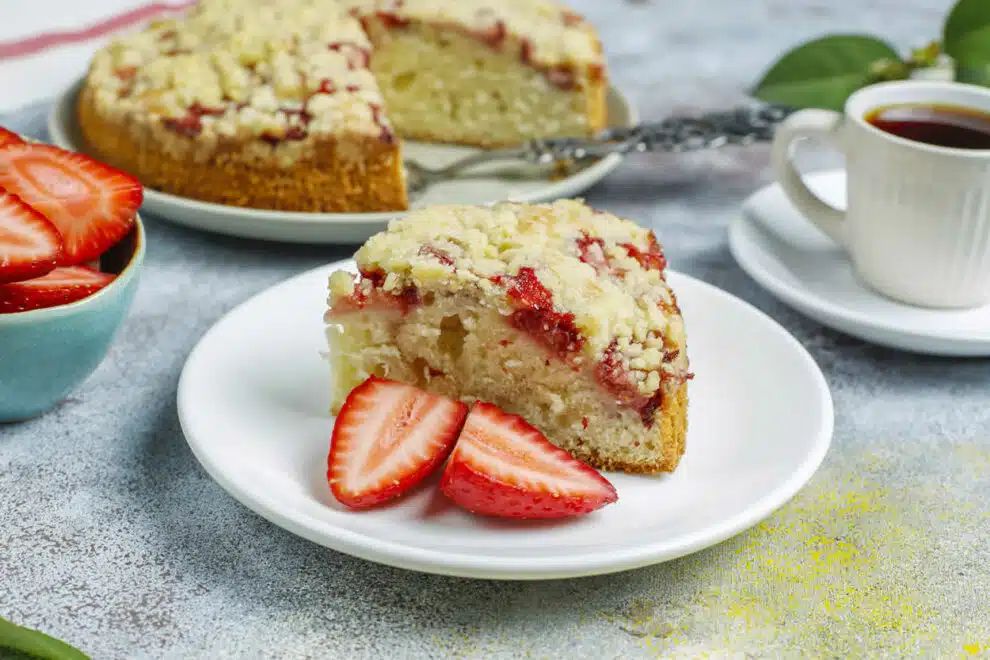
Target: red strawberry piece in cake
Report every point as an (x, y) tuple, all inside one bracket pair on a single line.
[(592, 252), (356, 56), (369, 294), (650, 259), (537, 316)]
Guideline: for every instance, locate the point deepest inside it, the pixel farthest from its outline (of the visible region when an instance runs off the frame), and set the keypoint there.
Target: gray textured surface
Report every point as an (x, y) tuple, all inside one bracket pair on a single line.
[(113, 538)]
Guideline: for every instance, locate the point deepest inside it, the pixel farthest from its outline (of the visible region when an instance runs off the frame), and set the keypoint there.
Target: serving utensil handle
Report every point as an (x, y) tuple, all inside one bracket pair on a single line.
[(742, 125)]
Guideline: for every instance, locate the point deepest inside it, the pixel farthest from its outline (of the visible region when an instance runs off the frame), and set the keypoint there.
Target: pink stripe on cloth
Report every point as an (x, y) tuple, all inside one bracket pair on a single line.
[(36, 44)]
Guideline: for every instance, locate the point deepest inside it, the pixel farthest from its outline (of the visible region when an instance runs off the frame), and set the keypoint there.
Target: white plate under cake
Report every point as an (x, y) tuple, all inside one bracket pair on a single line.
[(254, 396)]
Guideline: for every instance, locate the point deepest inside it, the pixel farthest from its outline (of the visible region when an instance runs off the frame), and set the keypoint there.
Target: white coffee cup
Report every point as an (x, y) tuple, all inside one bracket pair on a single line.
[(917, 219)]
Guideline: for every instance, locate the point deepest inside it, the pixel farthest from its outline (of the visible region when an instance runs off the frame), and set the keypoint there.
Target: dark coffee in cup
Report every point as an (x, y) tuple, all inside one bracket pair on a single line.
[(939, 125)]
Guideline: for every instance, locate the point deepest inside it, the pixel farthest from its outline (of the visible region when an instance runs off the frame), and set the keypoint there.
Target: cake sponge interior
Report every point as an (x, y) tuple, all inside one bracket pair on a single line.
[(451, 346)]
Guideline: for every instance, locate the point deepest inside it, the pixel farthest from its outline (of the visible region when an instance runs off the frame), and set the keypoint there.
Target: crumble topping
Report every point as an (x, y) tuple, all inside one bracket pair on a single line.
[(546, 32), (271, 70), (586, 284), (286, 71)]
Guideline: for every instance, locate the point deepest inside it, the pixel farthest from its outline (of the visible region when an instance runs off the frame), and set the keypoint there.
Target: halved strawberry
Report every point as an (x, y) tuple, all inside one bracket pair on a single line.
[(388, 437), (29, 244), (9, 137), (503, 466), (91, 203), (59, 287)]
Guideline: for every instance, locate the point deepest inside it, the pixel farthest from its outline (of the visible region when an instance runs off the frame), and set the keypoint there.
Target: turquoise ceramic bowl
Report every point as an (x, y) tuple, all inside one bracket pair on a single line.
[(46, 353)]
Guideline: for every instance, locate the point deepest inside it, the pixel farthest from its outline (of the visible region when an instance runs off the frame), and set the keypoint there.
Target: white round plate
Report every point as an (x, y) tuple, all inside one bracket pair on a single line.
[(253, 401), (483, 186), (787, 255)]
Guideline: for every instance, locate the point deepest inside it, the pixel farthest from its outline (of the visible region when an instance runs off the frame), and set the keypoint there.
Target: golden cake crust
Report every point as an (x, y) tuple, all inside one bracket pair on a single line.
[(672, 422), (328, 180)]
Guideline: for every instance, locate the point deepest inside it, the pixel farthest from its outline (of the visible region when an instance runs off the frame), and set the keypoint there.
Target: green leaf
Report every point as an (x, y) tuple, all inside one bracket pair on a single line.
[(35, 644), (973, 74), (966, 34), (824, 72)]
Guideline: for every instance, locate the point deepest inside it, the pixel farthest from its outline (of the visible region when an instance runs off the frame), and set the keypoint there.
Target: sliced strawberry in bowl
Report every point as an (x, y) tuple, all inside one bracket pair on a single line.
[(9, 137), (91, 203), (503, 466), (388, 437), (30, 245), (59, 287)]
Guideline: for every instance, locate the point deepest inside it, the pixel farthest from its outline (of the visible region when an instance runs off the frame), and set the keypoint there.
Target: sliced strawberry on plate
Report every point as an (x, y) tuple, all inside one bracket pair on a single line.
[(388, 437), (9, 137), (59, 287), (503, 466), (29, 244), (90, 203)]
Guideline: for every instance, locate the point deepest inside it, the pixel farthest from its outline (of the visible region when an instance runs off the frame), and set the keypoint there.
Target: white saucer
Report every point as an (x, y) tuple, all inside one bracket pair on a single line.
[(349, 228), (253, 400), (782, 251)]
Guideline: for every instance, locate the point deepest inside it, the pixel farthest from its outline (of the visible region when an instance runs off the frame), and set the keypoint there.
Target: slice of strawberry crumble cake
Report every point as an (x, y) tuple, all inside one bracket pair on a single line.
[(556, 312)]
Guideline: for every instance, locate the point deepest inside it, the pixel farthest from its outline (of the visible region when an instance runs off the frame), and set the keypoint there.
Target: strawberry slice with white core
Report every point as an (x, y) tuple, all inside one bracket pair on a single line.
[(9, 137), (59, 287), (388, 437), (29, 245), (91, 204), (502, 466)]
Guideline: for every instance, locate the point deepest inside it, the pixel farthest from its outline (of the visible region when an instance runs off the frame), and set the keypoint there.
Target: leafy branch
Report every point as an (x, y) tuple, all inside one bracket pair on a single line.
[(822, 73)]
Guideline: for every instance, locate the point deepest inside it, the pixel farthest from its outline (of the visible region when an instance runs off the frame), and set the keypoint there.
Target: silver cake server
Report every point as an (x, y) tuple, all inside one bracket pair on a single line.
[(743, 125)]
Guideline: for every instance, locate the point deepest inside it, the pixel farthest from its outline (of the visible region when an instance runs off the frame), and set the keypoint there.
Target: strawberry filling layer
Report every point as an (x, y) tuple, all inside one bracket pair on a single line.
[(391, 20), (536, 316), (592, 252), (652, 259), (356, 56), (437, 253), (556, 332), (614, 377), (191, 124), (375, 297)]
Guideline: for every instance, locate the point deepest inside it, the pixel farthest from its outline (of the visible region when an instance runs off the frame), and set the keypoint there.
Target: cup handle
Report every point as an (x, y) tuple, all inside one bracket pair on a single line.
[(821, 124)]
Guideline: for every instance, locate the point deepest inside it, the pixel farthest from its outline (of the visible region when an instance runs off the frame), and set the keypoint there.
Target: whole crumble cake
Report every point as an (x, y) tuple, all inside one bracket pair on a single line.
[(556, 312), (300, 104)]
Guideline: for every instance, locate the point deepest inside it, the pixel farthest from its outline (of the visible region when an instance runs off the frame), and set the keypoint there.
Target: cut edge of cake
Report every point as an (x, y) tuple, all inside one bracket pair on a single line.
[(486, 77)]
